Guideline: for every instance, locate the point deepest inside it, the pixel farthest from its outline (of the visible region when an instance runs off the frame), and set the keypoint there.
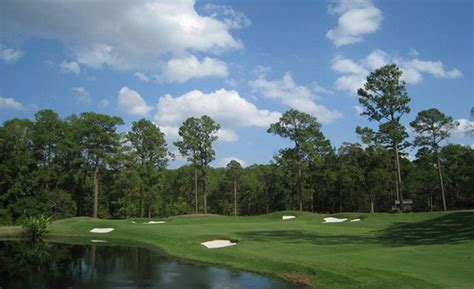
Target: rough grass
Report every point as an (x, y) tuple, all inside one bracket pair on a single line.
[(413, 250)]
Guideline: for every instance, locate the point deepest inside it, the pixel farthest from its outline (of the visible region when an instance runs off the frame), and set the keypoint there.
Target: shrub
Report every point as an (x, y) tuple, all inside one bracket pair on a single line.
[(36, 227)]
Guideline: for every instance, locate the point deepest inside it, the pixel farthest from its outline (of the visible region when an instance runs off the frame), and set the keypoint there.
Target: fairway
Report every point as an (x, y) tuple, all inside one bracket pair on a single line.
[(413, 250)]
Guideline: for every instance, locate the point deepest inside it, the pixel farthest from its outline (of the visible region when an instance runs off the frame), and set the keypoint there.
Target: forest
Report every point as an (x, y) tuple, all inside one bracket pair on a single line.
[(81, 165)]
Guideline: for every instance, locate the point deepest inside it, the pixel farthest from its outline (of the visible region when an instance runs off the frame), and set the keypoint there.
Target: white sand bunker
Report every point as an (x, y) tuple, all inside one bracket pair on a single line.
[(98, 241), (287, 217), (134, 222), (154, 222), (355, 220), (101, 230), (334, 220), (218, 244)]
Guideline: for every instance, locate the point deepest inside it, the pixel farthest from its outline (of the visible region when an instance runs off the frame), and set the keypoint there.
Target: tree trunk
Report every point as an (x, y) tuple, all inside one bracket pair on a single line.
[(96, 190), (149, 207), (440, 179), (195, 190), (140, 201), (372, 201), (235, 198), (399, 177), (204, 188), (80, 208), (300, 187)]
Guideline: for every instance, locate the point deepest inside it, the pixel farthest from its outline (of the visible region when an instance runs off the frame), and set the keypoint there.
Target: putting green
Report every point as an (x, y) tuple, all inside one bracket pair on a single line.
[(412, 250)]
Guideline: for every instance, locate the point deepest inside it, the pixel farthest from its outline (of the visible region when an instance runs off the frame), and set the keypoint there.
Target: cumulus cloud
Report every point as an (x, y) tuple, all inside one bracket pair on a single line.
[(293, 95), (131, 103), (70, 67), (142, 76), (226, 107), (465, 127), (9, 54), (122, 34), (357, 18), (10, 104), (232, 19), (354, 73), (182, 69), (82, 95)]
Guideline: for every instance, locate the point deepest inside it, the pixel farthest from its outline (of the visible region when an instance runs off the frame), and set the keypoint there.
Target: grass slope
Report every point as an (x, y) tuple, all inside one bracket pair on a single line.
[(417, 250)]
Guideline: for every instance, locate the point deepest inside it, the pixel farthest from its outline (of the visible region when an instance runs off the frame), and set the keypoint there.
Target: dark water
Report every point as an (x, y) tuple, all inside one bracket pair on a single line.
[(54, 265)]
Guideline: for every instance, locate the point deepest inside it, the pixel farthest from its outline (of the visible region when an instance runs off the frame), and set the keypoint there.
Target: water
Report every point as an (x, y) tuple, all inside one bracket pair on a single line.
[(54, 265)]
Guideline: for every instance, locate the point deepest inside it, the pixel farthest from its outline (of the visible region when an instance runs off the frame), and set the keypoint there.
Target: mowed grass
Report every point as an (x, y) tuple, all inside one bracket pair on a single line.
[(412, 250)]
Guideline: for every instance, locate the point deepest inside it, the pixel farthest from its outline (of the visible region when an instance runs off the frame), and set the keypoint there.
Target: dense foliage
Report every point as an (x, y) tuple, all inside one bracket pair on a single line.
[(81, 165)]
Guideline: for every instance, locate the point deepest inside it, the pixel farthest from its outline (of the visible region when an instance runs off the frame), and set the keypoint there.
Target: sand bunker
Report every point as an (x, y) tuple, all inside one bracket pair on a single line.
[(355, 220), (287, 217), (334, 220), (101, 230), (98, 241), (218, 244), (154, 222)]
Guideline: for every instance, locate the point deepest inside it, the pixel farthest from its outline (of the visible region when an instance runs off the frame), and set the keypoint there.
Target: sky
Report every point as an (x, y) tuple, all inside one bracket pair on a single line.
[(243, 63)]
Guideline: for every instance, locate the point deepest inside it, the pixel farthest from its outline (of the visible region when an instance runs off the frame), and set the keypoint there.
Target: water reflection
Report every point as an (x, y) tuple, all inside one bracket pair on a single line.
[(53, 265)]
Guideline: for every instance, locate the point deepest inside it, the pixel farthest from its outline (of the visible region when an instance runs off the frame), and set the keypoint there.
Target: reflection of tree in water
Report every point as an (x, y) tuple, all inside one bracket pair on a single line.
[(49, 265)]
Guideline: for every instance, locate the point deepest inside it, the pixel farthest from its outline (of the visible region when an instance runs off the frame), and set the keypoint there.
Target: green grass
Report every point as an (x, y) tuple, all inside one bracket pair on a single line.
[(413, 250)]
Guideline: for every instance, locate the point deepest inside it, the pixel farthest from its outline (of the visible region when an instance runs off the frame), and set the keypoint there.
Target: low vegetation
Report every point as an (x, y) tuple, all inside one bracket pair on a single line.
[(35, 228)]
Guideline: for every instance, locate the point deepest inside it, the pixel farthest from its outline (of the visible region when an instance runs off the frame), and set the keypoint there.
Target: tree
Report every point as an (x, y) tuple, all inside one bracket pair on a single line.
[(304, 130), (150, 153), (48, 132), (197, 136), (234, 170), (99, 140), (432, 127), (385, 100)]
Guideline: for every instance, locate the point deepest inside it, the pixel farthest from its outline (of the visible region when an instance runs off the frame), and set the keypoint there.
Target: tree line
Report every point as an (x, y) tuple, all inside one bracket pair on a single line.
[(82, 165)]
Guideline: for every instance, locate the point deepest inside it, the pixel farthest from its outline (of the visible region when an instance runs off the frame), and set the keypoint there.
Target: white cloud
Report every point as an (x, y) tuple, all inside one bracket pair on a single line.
[(357, 18), (10, 104), (413, 52), (359, 109), (226, 107), (103, 103), (295, 96), (9, 54), (70, 67), (318, 88), (232, 19), (464, 126), (226, 160), (131, 103), (182, 69), (354, 73), (82, 95), (435, 68), (122, 34), (142, 76)]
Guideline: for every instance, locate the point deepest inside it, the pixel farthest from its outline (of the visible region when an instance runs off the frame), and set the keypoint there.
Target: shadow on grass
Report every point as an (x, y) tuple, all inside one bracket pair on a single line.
[(304, 237), (448, 229)]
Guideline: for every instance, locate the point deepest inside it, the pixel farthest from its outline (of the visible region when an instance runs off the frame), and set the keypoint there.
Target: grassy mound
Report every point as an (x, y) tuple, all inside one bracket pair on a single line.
[(417, 250)]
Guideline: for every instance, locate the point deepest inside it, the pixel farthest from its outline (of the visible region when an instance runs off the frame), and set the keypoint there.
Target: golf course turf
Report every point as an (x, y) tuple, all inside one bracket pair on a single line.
[(411, 250)]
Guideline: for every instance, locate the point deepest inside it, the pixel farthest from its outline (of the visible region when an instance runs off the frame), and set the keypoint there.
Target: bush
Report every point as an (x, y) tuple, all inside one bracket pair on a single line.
[(36, 227)]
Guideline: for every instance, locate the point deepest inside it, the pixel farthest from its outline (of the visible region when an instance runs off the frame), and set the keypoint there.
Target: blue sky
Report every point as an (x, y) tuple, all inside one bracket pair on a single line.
[(241, 62)]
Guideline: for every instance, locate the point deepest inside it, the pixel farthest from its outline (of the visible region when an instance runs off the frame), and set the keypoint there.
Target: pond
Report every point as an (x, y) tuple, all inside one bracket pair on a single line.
[(57, 265)]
